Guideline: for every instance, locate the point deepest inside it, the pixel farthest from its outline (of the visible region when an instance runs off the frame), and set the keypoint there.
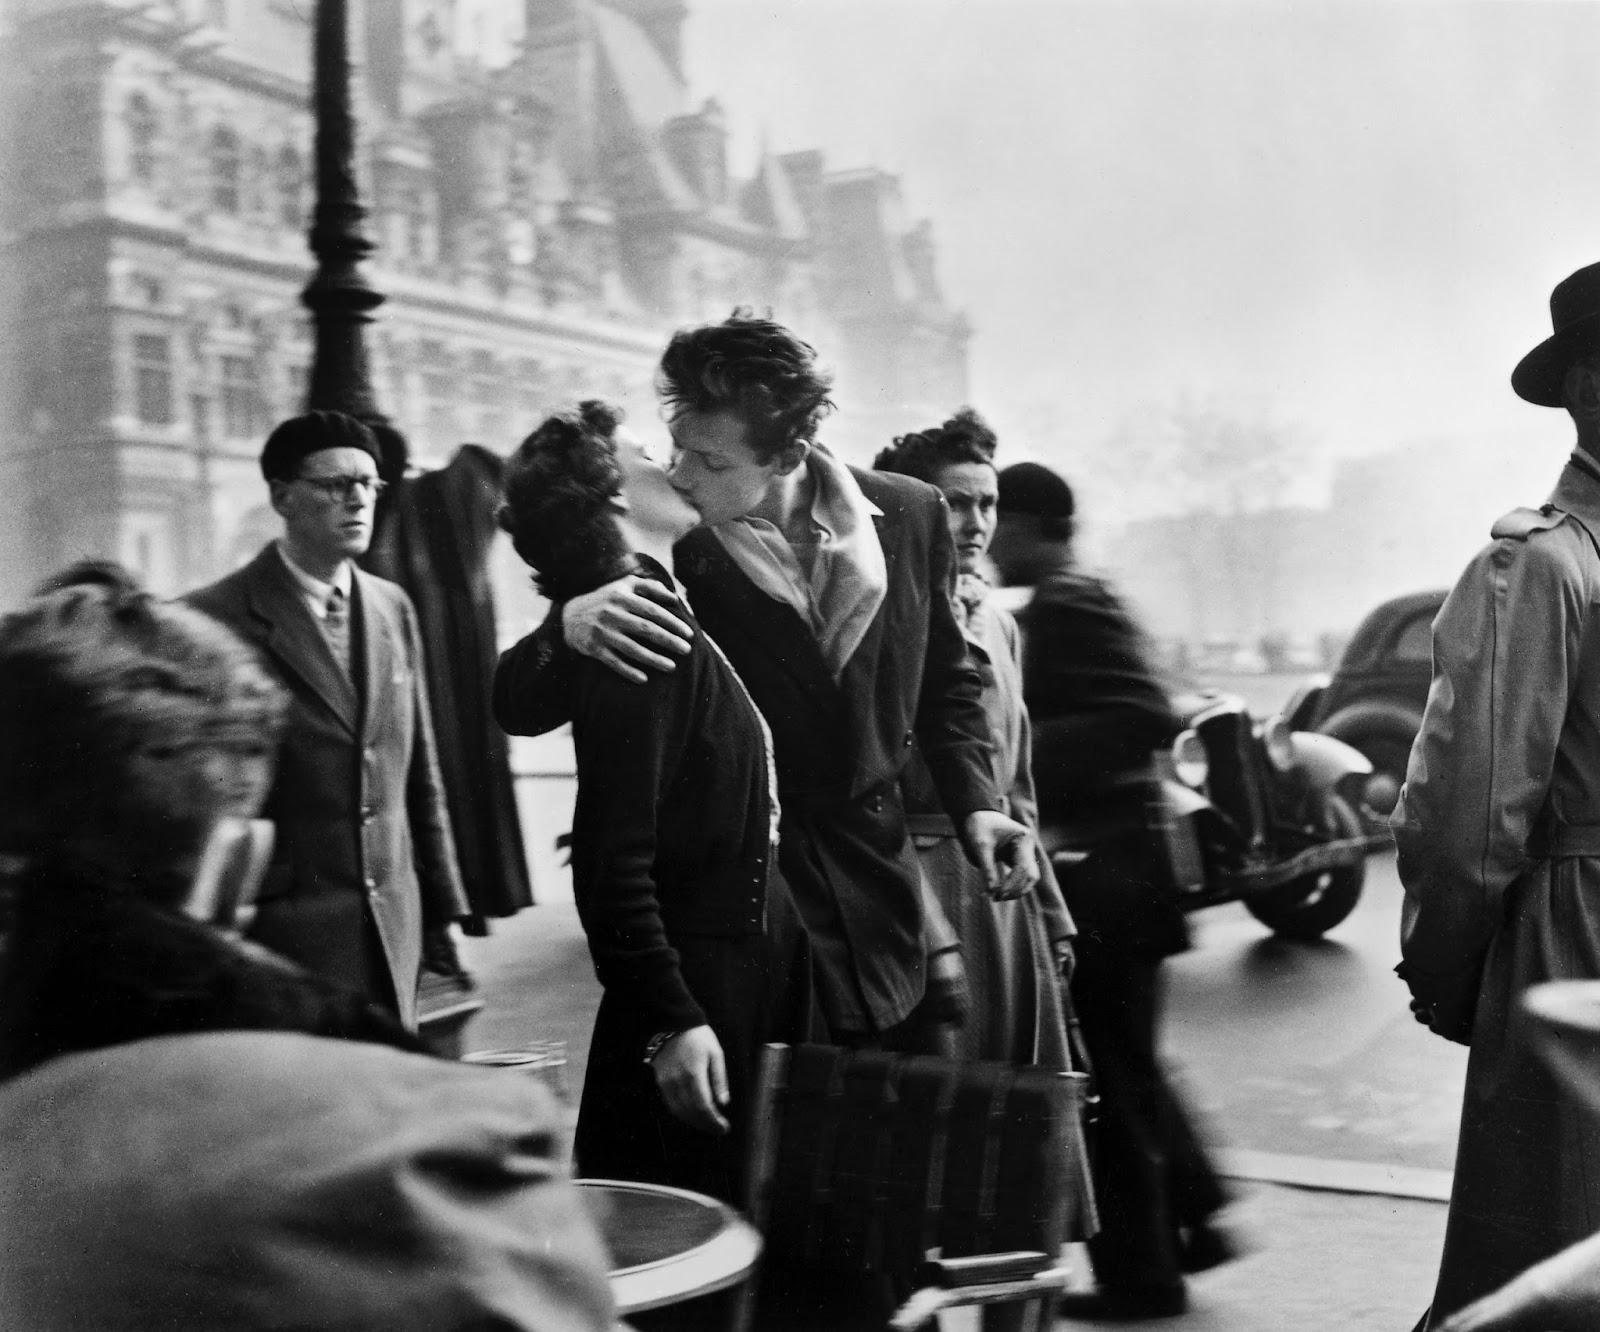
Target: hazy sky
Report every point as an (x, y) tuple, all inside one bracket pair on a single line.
[(1345, 216)]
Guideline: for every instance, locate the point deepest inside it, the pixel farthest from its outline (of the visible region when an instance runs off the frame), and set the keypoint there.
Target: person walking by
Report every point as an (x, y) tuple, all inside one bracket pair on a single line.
[(1498, 835), (828, 588), (1017, 952), (363, 869), (1098, 714)]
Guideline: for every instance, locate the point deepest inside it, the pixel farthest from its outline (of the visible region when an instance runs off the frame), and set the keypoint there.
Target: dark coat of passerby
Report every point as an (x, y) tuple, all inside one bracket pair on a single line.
[(1498, 833), (829, 590), (1098, 714), (1013, 952), (693, 933), (137, 735), (434, 537), (364, 864)]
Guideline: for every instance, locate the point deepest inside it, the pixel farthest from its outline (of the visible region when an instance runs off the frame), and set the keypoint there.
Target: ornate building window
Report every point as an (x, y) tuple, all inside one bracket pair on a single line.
[(227, 166), (421, 236), (241, 398), (291, 183), (152, 378), (143, 130), (438, 392)]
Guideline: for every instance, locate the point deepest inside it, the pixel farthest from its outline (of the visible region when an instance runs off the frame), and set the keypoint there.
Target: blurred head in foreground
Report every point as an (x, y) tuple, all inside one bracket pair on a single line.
[(255, 1180), (128, 728)]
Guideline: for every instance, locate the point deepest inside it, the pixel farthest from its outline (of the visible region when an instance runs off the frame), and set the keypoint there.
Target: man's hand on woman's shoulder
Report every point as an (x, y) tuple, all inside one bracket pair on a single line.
[(626, 624)]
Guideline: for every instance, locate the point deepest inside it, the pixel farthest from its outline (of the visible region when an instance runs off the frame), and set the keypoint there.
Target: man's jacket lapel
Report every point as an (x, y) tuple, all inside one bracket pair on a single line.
[(294, 638)]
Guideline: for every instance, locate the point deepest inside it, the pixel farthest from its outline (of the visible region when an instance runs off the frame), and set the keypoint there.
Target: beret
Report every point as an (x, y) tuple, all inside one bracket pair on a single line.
[(300, 436)]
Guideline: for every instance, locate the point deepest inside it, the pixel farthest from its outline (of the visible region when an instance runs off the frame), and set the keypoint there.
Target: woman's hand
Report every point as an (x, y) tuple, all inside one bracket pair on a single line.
[(693, 1077)]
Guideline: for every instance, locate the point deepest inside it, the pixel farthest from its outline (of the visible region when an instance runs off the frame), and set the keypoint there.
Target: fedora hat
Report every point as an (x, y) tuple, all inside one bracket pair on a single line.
[(1575, 316)]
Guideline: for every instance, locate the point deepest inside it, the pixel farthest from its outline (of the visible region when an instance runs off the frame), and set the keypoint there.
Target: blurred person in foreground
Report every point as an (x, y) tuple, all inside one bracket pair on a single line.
[(1017, 953), (255, 1180), (1098, 715), (1498, 834), (692, 930), (364, 873), (136, 738), (828, 588)]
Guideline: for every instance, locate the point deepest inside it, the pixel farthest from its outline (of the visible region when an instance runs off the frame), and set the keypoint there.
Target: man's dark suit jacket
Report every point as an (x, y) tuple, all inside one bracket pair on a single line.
[(363, 829), (840, 746)]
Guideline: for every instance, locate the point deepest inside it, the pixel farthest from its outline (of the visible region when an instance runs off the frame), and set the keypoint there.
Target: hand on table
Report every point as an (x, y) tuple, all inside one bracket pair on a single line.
[(692, 1075), (632, 620)]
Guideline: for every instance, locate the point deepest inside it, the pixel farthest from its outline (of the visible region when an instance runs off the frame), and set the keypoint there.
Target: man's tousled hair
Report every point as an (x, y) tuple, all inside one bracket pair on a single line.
[(753, 368)]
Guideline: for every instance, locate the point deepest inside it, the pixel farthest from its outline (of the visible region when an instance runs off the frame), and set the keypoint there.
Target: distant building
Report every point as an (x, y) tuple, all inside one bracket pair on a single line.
[(541, 227), (1403, 520)]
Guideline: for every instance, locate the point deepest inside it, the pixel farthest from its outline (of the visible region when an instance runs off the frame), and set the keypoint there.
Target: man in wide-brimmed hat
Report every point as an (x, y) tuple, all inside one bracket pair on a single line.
[(1498, 830)]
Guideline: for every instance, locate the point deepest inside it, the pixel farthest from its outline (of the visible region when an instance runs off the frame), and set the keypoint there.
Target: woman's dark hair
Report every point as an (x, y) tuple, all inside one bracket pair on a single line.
[(964, 438), (560, 485), (754, 368), (92, 672)]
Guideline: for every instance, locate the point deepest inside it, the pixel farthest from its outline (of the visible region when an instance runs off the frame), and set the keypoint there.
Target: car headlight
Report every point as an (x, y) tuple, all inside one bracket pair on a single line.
[(1189, 759), (1278, 741)]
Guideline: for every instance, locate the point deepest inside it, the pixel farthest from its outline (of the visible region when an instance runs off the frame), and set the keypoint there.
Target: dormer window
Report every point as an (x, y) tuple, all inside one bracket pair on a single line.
[(143, 128), (291, 187), (227, 167)]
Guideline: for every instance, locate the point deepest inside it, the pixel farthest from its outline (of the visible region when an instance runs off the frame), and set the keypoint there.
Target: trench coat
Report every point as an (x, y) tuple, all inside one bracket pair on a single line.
[(435, 540), (841, 745), (1017, 1010), (1498, 833), (363, 830)]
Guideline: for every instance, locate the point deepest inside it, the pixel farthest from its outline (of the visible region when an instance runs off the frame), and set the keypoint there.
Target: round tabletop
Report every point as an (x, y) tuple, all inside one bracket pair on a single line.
[(668, 1245)]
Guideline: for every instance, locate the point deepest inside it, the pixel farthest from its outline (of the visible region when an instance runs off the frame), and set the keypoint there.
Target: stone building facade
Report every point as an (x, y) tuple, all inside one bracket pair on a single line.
[(542, 224)]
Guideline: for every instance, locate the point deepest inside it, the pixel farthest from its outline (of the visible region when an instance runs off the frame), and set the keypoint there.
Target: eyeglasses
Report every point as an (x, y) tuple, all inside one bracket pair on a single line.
[(337, 489)]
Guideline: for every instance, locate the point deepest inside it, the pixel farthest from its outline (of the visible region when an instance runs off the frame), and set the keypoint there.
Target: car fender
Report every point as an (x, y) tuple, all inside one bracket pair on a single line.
[(1325, 761), (1306, 699), (1377, 716)]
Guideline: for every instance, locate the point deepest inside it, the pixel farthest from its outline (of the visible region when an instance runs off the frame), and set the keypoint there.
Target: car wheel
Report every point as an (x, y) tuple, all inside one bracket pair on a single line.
[(1388, 757), (1310, 906)]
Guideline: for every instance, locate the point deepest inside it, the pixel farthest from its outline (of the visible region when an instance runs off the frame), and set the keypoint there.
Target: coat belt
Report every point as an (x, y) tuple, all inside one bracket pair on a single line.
[(1559, 841)]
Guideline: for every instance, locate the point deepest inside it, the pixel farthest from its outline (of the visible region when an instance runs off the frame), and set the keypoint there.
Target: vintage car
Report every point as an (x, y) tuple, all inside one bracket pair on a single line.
[(1374, 699)]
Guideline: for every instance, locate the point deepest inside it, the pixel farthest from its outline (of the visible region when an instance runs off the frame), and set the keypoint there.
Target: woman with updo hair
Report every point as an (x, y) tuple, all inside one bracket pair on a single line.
[(1012, 951), (691, 927), (137, 739)]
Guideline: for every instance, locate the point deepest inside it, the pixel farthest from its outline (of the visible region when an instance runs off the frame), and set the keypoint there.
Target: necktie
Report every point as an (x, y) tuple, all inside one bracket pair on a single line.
[(336, 624)]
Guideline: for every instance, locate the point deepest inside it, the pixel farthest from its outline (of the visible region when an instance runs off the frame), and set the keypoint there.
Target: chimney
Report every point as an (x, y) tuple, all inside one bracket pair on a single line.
[(698, 146)]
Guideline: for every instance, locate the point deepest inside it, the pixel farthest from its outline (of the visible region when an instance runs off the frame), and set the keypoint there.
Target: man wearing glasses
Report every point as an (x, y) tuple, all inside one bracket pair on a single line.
[(363, 870)]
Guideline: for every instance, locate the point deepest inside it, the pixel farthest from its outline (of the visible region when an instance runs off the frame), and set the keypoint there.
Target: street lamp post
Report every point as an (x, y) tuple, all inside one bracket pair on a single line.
[(339, 295)]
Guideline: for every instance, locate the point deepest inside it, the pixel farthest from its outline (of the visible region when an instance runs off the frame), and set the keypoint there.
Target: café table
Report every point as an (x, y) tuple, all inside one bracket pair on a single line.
[(668, 1245)]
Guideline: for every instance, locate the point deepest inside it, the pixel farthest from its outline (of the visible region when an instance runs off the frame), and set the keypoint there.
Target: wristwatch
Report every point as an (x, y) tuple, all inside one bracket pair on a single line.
[(652, 1047)]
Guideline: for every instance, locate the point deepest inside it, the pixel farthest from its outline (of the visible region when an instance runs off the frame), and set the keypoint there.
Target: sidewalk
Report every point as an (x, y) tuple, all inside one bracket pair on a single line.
[(1321, 1259)]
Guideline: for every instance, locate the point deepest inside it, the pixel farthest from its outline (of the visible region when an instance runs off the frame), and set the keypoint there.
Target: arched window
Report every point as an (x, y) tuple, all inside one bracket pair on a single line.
[(291, 187), (143, 128), (227, 166)]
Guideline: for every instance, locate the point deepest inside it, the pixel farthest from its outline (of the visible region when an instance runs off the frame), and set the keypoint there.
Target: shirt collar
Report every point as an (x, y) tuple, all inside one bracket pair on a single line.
[(312, 586)]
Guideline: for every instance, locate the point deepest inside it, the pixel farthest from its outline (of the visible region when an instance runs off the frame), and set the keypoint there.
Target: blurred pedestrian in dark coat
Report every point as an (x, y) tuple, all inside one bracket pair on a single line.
[(1098, 714), (1498, 834), (136, 740), (434, 537), (364, 868)]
